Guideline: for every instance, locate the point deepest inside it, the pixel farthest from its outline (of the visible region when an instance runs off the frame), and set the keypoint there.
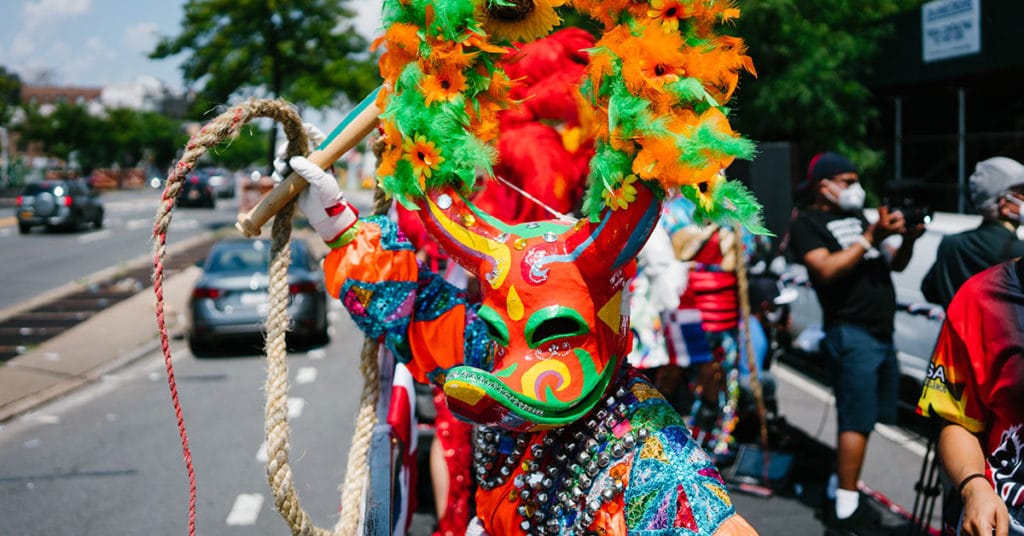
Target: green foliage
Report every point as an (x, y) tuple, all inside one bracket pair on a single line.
[(249, 148), (122, 137), (10, 94), (812, 57), (302, 50)]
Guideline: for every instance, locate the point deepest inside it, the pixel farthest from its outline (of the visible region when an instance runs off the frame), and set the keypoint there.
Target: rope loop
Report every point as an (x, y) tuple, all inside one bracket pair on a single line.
[(279, 475)]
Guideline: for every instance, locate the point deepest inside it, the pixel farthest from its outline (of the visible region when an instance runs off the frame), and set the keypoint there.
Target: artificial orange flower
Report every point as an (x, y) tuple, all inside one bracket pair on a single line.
[(621, 196), (652, 60), (668, 13), (482, 43), (423, 154), (401, 43), (483, 120), (442, 86), (603, 11), (450, 54), (393, 149)]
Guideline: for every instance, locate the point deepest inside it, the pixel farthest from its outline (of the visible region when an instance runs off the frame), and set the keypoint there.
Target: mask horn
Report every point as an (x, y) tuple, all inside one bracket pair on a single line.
[(465, 235), (617, 237)]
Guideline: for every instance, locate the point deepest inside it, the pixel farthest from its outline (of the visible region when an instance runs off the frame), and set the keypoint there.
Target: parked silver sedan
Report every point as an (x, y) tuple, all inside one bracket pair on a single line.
[(230, 301)]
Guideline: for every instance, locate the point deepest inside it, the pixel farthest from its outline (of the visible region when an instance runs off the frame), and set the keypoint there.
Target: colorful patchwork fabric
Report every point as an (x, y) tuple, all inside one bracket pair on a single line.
[(630, 467), (426, 322)]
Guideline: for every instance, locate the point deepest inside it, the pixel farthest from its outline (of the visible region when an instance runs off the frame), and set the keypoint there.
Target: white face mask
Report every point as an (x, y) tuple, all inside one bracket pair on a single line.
[(850, 199), (1015, 216)]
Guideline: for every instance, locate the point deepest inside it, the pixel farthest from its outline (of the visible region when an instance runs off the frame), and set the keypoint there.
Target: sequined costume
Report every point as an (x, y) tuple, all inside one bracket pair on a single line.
[(628, 466), (712, 295)]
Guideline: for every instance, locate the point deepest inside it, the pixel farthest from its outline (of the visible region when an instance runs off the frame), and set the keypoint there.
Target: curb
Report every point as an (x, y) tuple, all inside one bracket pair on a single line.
[(91, 279), (43, 375)]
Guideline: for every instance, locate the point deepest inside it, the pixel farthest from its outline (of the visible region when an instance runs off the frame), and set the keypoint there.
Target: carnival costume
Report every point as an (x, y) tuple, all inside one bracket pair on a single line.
[(571, 439), (704, 332)]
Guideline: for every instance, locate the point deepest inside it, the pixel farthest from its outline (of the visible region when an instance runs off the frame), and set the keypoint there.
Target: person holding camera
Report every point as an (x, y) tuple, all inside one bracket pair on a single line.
[(849, 261), (997, 191)]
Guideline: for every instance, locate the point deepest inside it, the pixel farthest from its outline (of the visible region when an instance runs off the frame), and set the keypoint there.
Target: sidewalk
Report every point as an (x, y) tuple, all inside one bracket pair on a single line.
[(82, 355)]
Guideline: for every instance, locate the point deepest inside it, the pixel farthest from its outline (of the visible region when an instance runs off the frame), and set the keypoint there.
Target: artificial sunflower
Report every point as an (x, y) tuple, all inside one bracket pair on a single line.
[(623, 195), (520, 20), (423, 154), (705, 191)]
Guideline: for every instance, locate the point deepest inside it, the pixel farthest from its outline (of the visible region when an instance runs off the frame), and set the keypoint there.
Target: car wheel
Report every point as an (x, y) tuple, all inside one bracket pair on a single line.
[(198, 348), (98, 221), (321, 337), (24, 228)]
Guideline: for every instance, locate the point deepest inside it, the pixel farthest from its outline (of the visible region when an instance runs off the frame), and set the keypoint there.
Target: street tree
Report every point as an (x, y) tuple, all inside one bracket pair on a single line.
[(248, 149), (10, 94), (813, 58), (306, 51)]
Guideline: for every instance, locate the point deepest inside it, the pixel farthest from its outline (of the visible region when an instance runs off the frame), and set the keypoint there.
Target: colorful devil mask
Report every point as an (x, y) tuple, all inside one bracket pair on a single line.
[(651, 102), (552, 301)]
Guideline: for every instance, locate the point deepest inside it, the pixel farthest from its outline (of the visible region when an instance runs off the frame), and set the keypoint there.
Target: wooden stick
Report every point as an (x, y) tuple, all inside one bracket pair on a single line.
[(249, 224)]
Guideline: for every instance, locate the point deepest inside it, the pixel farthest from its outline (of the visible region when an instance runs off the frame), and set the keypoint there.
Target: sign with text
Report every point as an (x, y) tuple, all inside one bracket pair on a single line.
[(950, 29)]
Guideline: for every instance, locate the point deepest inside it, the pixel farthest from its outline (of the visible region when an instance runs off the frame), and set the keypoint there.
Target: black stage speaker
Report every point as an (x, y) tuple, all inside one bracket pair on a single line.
[(770, 176)]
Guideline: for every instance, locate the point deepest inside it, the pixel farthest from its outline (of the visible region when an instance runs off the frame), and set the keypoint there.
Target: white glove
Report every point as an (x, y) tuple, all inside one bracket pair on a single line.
[(281, 169), (323, 202)]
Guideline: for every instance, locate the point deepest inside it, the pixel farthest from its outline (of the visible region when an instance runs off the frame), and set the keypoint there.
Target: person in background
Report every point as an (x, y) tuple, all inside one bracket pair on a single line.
[(849, 261), (997, 191), (975, 382)]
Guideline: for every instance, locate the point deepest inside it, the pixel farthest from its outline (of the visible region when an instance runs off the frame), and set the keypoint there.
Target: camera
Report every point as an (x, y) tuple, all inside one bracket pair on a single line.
[(914, 212), (910, 198)]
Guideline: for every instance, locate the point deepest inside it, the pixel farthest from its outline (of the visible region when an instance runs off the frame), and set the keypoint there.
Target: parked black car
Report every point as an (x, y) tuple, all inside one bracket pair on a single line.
[(196, 191), (65, 204)]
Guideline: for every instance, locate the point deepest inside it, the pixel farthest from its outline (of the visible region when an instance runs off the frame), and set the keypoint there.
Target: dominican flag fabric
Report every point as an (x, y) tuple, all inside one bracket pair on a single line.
[(402, 418), (685, 338)]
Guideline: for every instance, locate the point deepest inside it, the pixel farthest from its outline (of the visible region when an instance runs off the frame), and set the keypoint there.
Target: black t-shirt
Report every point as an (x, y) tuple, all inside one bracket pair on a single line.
[(864, 296), (964, 254)]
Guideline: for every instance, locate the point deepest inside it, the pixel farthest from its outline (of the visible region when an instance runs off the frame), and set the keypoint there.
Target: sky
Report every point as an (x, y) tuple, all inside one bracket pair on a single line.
[(99, 42)]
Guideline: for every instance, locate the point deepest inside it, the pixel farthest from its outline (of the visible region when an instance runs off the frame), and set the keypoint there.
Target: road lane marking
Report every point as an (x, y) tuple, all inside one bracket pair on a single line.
[(8, 221), (94, 236), (261, 454), (319, 353), (135, 225), (306, 375), (185, 224), (295, 407), (246, 509)]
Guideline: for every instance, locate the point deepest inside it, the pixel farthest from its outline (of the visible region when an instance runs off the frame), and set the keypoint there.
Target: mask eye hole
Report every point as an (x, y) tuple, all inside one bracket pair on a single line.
[(496, 328), (554, 323)]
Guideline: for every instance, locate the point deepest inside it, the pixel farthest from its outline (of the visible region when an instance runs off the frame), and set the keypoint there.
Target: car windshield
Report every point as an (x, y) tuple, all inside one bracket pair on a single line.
[(250, 257), (35, 188)]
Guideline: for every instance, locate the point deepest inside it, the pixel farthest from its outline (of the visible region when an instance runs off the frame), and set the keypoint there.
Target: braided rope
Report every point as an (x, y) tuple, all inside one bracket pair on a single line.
[(742, 288), (279, 475), (357, 471)]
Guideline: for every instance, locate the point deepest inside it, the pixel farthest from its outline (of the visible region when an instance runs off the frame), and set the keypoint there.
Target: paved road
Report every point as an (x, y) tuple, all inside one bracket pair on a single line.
[(41, 261), (107, 461)]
